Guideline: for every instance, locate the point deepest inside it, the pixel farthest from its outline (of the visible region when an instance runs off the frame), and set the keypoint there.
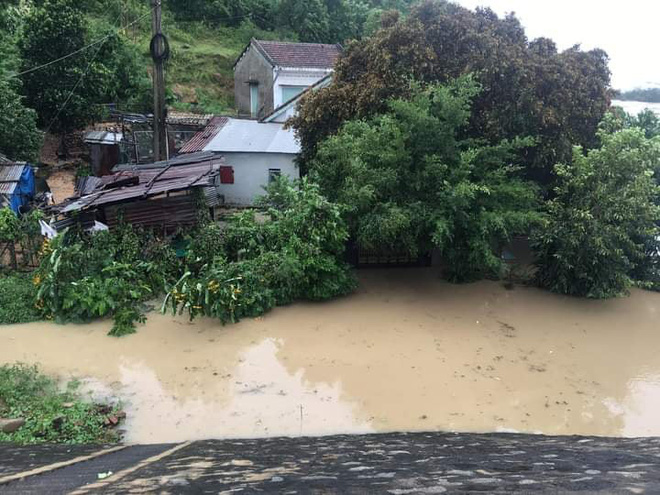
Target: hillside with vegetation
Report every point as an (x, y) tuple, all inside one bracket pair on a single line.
[(648, 95), (69, 59)]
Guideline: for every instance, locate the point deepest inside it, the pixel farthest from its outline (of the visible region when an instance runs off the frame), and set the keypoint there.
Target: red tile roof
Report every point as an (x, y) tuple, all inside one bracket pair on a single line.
[(308, 55)]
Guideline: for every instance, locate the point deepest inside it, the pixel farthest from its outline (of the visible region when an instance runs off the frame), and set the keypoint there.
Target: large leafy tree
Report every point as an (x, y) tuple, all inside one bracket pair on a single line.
[(56, 29), (529, 88), (308, 18), (411, 184), (67, 93), (602, 217), (19, 137)]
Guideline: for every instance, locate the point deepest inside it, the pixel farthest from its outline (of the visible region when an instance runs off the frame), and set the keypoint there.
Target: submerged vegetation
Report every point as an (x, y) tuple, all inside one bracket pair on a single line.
[(294, 253), (444, 130), (51, 415)]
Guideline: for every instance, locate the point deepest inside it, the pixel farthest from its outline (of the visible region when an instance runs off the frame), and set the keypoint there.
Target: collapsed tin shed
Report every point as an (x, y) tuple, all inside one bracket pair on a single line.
[(159, 196)]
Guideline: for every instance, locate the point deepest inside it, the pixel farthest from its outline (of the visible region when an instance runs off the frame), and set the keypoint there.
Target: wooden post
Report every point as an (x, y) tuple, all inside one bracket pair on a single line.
[(158, 53)]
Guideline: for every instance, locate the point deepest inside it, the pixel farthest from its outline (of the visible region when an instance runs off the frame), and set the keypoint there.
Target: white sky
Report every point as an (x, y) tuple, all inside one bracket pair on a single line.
[(629, 31)]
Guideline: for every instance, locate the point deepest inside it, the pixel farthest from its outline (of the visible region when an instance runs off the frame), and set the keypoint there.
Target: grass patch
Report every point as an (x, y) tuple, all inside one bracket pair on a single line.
[(52, 415), (17, 297)]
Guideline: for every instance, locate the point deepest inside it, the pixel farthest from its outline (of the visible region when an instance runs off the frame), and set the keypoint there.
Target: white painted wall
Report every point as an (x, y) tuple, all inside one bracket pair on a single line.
[(251, 174), (294, 77)]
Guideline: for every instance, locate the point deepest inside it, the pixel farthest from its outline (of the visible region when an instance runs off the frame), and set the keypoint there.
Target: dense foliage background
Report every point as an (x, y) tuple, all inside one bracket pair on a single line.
[(529, 87)]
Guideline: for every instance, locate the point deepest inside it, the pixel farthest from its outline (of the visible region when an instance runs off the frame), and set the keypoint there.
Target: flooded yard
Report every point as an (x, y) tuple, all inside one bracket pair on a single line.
[(406, 352)]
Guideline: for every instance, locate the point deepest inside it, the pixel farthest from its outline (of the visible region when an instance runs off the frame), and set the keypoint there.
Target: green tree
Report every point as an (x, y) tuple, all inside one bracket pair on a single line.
[(67, 94), (55, 29), (529, 87), (19, 137), (651, 95), (308, 18), (604, 212), (411, 184)]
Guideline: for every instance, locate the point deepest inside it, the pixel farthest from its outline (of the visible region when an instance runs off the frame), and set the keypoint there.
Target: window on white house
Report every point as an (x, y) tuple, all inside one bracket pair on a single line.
[(289, 92), (254, 99), (273, 174)]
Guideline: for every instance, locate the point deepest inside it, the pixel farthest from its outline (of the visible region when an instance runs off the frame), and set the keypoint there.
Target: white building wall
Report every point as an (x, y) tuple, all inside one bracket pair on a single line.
[(251, 174), (294, 77)]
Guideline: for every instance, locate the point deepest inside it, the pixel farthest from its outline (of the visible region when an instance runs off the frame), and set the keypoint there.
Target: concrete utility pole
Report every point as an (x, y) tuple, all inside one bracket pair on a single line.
[(159, 53)]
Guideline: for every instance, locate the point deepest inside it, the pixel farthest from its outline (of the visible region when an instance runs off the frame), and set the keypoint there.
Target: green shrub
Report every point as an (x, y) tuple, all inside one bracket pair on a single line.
[(51, 415), (17, 299), (603, 218), (293, 253), (86, 276)]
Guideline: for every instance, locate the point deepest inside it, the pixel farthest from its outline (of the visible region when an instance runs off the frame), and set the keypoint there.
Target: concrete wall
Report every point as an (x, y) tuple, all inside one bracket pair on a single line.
[(251, 174), (253, 67), (297, 77)]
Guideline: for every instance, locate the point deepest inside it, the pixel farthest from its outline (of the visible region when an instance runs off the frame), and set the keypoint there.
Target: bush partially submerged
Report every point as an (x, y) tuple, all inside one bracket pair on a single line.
[(17, 296), (86, 276), (294, 253), (602, 224)]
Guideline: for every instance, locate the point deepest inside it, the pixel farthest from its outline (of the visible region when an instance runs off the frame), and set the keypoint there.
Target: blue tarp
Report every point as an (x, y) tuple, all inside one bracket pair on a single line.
[(24, 191)]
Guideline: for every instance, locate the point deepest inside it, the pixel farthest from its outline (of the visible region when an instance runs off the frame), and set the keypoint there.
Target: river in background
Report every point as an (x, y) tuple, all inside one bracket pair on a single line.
[(407, 351), (635, 107)]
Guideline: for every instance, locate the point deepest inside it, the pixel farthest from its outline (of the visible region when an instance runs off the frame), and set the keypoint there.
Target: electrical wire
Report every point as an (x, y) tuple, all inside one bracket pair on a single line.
[(82, 76), (94, 43)]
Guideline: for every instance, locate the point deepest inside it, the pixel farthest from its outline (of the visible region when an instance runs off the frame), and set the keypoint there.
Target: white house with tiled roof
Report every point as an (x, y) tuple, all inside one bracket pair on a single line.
[(269, 79), (269, 74)]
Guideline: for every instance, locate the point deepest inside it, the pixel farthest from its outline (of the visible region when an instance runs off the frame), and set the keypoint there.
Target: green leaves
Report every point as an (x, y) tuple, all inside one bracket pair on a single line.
[(603, 218), (88, 276), (292, 252), (411, 184), (51, 415)]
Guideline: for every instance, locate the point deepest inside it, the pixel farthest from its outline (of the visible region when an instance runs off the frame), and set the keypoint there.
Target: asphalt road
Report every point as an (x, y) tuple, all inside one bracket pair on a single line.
[(413, 463)]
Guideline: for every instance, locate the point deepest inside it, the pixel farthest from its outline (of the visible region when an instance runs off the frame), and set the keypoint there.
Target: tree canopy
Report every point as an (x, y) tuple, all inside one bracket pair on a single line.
[(603, 217), (529, 88), (67, 94), (410, 183)]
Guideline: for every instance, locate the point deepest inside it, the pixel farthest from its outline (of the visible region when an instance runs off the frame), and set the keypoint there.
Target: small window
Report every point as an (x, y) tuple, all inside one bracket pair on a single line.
[(226, 175), (254, 99), (273, 174), (289, 92)]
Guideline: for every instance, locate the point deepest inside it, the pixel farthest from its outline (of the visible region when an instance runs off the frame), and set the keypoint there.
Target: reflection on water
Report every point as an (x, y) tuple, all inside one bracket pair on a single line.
[(407, 352)]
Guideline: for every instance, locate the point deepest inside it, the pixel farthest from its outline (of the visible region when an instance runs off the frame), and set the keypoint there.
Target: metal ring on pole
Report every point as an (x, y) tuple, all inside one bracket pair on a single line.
[(159, 47)]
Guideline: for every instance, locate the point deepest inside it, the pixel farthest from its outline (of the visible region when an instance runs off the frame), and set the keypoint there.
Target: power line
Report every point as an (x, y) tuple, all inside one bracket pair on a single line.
[(94, 43), (82, 76)]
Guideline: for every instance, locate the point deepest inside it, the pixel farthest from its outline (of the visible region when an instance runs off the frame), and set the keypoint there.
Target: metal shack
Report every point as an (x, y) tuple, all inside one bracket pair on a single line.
[(159, 195), (17, 186), (103, 150)]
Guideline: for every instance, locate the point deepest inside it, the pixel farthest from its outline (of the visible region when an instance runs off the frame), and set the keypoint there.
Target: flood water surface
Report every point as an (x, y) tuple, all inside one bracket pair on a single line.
[(406, 352)]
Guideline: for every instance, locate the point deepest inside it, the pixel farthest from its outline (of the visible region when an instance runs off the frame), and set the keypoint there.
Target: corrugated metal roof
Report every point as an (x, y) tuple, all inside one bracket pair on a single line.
[(4, 159), (10, 175), (204, 137), (103, 137), (251, 136), (187, 159), (188, 118), (150, 182)]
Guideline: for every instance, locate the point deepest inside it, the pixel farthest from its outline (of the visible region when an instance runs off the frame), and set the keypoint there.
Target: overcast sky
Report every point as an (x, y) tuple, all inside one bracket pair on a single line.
[(629, 31)]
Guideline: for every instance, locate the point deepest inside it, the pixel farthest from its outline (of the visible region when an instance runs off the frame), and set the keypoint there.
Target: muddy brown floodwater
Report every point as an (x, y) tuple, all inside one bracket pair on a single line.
[(406, 352)]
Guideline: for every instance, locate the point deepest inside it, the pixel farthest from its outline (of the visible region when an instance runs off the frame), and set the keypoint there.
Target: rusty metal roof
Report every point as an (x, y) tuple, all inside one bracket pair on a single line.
[(148, 181), (10, 175), (204, 137)]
